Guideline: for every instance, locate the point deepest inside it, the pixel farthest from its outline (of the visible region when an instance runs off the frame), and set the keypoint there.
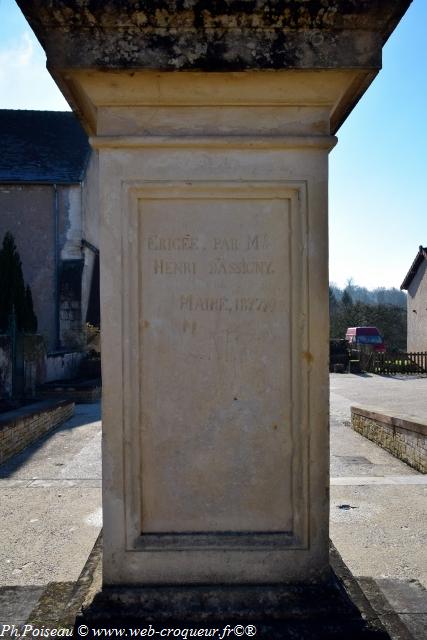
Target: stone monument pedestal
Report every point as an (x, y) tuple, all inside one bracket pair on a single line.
[(213, 123), (216, 396)]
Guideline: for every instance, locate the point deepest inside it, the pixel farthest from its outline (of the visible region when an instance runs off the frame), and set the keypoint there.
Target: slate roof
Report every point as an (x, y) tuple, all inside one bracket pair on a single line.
[(42, 146), (421, 255)]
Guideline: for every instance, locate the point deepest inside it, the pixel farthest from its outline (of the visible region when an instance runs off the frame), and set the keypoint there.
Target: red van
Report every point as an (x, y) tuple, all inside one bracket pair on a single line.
[(369, 336)]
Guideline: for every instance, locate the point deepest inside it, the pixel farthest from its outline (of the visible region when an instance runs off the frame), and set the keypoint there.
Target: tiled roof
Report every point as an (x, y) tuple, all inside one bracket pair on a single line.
[(42, 146), (421, 255)]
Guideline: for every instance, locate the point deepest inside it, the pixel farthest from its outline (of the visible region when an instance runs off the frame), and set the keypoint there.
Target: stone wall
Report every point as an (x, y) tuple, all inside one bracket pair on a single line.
[(62, 365), (38, 367), (23, 426), (402, 437), (34, 356), (30, 365), (5, 367)]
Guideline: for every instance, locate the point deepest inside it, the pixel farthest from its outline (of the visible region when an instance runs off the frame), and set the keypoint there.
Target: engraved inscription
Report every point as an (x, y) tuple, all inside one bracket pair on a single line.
[(163, 265), (252, 242), (226, 244), (200, 303), (171, 268), (161, 243), (215, 283), (243, 267)]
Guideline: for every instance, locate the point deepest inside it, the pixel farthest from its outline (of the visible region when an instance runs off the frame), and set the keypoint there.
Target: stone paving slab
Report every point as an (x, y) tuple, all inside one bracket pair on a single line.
[(395, 624), (51, 604), (16, 603), (404, 596), (416, 625)]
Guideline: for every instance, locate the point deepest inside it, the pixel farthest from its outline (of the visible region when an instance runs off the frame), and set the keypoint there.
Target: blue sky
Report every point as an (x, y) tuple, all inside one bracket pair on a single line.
[(378, 170)]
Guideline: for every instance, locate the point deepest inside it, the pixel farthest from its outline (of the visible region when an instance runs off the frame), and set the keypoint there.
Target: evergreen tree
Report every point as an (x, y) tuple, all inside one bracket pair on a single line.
[(13, 293), (346, 299), (30, 324), (334, 305)]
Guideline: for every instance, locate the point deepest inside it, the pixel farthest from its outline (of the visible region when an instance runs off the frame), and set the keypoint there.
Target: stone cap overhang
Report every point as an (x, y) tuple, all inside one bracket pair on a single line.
[(214, 36)]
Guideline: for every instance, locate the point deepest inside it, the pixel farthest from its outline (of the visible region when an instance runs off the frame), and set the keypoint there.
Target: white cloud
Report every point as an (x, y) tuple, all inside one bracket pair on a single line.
[(26, 51), (24, 81)]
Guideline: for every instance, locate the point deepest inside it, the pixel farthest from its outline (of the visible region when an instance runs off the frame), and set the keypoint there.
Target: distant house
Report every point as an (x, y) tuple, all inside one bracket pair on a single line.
[(415, 284), (48, 201)]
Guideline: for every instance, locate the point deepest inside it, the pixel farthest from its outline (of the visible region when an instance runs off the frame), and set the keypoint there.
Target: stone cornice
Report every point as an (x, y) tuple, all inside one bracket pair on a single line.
[(213, 36)]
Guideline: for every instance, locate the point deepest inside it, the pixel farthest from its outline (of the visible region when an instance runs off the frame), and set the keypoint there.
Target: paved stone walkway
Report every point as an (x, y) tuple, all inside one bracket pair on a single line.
[(50, 511)]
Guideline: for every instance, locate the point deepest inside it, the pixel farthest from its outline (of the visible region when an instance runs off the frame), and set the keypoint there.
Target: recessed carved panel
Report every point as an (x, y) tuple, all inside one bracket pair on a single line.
[(214, 296)]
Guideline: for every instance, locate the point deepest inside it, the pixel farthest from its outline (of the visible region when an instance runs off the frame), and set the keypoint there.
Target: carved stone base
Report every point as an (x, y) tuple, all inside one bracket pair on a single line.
[(332, 611)]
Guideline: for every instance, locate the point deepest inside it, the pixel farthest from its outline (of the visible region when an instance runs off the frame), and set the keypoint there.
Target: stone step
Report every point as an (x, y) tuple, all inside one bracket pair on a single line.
[(401, 606)]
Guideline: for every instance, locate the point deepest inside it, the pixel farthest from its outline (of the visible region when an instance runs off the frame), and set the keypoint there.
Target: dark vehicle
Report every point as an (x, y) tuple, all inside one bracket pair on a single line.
[(339, 356)]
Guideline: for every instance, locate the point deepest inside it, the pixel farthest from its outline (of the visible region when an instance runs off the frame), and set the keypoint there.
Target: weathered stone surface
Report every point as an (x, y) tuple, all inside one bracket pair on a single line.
[(212, 36), (216, 289), (212, 283), (331, 611)]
